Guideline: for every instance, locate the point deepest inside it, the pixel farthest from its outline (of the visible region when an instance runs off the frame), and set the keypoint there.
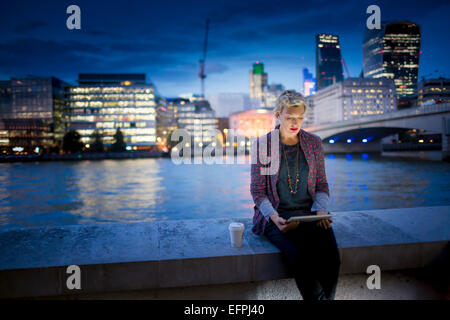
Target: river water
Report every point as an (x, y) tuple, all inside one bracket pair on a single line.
[(134, 190)]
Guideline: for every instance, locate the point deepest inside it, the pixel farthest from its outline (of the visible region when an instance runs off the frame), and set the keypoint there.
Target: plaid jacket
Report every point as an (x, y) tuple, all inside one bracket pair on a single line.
[(263, 185)]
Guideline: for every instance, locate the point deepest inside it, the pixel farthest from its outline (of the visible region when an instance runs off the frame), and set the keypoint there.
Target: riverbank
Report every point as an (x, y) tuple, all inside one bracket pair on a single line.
[(83, 156)]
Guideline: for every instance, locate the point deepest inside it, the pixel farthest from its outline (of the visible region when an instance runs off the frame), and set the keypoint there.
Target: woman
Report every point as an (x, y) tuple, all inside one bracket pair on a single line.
[(298, 187)]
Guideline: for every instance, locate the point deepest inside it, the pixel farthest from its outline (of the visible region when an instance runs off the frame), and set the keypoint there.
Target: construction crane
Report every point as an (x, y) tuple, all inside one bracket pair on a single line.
[(346, 69), (202, 61)]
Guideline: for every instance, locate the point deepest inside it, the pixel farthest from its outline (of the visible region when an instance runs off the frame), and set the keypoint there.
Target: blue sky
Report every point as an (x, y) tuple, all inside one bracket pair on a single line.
[(164, 39)]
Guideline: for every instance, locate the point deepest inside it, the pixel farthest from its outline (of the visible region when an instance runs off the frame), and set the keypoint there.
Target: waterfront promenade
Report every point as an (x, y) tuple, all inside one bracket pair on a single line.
[(195, 258)]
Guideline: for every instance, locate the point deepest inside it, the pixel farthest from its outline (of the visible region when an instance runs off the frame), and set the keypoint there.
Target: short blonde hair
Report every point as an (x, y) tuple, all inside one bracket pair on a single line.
[(289, 98)]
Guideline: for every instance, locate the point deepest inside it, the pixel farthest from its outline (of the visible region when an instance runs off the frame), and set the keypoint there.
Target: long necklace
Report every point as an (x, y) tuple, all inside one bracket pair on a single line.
[(289, 176)]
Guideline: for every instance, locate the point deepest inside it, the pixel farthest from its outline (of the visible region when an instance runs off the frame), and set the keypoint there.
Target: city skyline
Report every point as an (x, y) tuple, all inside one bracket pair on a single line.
[(165, 41)]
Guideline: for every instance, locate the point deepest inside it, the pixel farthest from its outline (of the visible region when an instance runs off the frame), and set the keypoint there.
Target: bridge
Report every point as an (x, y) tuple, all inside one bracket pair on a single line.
[(366, 133)]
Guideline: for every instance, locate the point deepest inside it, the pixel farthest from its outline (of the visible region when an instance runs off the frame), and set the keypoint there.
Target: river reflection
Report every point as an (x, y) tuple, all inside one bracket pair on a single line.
[(133, 190)]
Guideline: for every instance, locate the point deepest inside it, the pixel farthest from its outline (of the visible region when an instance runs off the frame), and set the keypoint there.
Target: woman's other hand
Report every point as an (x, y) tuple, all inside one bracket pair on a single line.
[(282, 224), (324, 223)]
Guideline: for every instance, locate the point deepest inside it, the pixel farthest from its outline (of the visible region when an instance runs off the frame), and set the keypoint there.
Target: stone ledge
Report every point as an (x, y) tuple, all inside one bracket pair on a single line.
[(177, 253)]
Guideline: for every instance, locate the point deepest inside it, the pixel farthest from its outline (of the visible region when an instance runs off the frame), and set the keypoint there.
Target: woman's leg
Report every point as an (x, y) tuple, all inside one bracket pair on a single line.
[(325, 256), (298, 261)]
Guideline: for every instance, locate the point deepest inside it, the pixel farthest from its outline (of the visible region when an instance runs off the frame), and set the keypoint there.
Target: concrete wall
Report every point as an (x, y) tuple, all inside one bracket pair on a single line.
[(157, 256)]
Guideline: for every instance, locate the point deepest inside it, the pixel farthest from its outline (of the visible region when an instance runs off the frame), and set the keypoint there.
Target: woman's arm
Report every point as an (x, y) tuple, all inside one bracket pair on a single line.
[(258, 184), (322, 192)]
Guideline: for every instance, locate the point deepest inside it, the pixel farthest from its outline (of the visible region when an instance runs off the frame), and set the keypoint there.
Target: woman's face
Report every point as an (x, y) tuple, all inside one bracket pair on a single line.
[(291, 120)]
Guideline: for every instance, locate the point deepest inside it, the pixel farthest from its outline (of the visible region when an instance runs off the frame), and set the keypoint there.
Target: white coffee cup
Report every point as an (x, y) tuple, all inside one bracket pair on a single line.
[(236, 234)]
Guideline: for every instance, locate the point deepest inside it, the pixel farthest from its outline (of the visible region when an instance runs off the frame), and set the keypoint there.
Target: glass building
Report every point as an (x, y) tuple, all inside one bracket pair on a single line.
[(105, 102), (31, 113), (197, 118), (167, 120), (392, 52), (328, 60)]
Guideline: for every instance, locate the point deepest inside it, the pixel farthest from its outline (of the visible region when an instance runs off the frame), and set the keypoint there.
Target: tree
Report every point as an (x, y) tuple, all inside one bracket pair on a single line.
[(72, 142), (119, 144), (97, 142)]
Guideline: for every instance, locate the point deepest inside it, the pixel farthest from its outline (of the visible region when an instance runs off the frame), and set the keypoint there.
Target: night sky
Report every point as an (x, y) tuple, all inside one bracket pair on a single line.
[(164, 39)]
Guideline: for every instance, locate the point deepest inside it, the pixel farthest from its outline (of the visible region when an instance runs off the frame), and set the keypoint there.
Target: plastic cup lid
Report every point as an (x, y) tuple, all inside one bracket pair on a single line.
[(236, 226)]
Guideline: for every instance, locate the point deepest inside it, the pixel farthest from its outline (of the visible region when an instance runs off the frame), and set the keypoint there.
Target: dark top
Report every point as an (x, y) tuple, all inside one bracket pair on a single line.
[(301, 202)]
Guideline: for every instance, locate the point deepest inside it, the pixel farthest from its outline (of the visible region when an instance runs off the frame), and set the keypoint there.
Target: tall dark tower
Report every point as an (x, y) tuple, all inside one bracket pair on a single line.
[(328, 60), (393, 52)]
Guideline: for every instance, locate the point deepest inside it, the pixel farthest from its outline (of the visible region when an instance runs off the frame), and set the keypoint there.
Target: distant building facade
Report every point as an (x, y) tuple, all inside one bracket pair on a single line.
[(252, 123), (32, 113), (271, 94), (309, 83), (105, 102), (198, 119), (328, 60), (433, 91), (257, 80), (393, 52), (353, 98), (229, 102)]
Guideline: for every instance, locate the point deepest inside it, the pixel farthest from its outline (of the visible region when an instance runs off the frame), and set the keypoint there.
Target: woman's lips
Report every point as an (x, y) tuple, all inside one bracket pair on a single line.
[(294, 129)]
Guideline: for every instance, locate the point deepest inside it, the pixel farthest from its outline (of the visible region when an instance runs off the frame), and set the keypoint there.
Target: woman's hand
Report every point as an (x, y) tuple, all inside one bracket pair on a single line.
[(282, 224), (324, 223)]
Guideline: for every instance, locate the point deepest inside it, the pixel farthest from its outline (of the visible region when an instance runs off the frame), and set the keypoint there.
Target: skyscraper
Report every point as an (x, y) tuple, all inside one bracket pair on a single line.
[(328, 60), (393, 52), (309, 83), (258, 80)]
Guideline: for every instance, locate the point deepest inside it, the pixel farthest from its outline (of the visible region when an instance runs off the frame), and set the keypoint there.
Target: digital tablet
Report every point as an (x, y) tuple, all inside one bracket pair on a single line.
[(310, 217)]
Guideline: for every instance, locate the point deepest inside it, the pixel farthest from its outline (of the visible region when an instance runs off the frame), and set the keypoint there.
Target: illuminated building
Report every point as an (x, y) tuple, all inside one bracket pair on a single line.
[(271, 94), (197, 118), (31, 113), (392, 52), (105, 102), (328, 60), (354, 98), (309, 83), (252, 123), (167, 119), (308, 119), (258, 80), (433, 91)]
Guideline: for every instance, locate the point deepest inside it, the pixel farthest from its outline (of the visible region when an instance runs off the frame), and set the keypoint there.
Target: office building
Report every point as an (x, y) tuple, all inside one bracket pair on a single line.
[(258, 80), (354, 98), (106, 102), (271, 94), (308, 119), (309, 83), (32, 113), (198, 119), (328, 60), (167, 119), (392, 52), (433, 91)]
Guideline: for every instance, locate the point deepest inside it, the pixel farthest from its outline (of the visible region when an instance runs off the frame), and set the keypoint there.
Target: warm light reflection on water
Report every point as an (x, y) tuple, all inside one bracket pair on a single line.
[(133, 190)]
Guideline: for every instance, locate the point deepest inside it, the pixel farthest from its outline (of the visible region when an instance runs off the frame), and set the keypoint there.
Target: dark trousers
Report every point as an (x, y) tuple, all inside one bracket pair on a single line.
[(312, 257)]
